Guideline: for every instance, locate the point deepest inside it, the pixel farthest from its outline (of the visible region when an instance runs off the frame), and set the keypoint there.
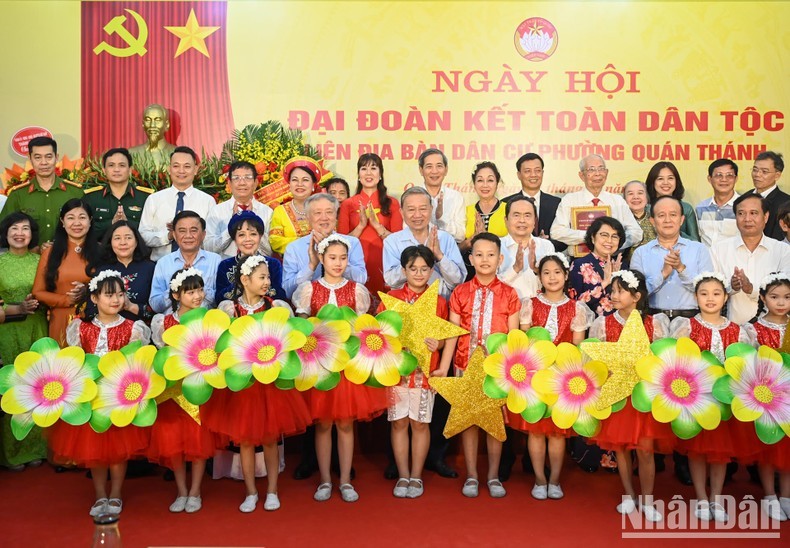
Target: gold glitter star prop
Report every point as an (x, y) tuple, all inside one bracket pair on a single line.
[(174, 393), (420, 322), (192, 35), (620, 358), (469, 406), (785, 343)]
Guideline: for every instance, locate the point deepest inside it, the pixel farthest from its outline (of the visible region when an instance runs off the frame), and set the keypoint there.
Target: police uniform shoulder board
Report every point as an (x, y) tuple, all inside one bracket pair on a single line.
[(17, 187), (72, 183), (94, 189), (147, 190)]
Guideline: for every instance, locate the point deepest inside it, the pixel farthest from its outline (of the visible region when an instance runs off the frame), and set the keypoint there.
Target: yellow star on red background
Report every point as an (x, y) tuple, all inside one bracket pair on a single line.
[(620, 358), (469, 405), (420, 322), (192, 35), (174, 393)]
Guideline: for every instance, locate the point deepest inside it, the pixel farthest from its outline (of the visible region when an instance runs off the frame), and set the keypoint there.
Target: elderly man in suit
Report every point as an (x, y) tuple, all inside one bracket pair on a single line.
[(767, 170)]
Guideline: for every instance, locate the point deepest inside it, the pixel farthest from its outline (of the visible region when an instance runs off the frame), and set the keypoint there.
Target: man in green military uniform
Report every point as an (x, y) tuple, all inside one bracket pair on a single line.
[(43, 195), (119, 200)]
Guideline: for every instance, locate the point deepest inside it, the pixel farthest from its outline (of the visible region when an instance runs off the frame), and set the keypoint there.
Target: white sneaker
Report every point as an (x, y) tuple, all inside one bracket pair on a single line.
[(401, 488), (718, 513), (179, 504), (772, 508), (249, 504), (702, 510), (323, 492), (540, 492), (272, 502), (627, 506), (496, 489), (555, 492), (651, 513), (470, 488)]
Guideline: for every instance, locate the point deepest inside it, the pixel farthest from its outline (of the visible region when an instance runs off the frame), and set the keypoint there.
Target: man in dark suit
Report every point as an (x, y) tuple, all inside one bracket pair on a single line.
[(529, 170), (767, 170)]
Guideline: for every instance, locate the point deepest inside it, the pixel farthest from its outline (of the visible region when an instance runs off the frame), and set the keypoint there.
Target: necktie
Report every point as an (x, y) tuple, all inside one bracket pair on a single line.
[(596, 201), (531, 200), (179, 209), (243, 207)]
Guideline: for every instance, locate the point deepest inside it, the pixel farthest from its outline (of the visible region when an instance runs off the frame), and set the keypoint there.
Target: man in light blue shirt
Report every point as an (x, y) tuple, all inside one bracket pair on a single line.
[(416, 209), (300, 262), (189, 230), (670, 263)]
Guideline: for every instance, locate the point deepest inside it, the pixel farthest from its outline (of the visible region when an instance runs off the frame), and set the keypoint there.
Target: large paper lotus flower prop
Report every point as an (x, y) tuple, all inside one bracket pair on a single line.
[(193, 351), (127, 388), (757, 386), (380, 359), (326, 349), (571, 388), (512, 362), (677, 387), (261, 346), (45, 384)]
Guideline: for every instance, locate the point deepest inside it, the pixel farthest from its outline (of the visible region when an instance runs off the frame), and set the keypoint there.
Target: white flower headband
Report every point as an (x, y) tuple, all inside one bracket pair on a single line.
[(332, 238), (772, 278), (175, 283), (699, 278), (103, 275), (562, 258), (627, 277), (251, 263)]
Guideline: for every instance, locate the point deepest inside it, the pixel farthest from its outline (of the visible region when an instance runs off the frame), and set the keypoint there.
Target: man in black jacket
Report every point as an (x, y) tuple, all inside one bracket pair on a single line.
[(767, 170)]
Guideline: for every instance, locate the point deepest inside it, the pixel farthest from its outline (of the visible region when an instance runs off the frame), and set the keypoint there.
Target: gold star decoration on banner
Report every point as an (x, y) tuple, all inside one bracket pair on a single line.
[(192, 35), (421, 322), (620, 358), (174, 393), (469, 405)]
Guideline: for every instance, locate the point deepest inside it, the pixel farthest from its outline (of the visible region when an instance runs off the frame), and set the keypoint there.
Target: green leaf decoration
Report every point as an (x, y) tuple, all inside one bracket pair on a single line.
[(661, 345), (146, 414), (238, 377), (408, 364), (722, 390), (619, 405), (372, 382), (131, 348), (5, 377), (533, 413), (91, 364), (709, 357), (639, 398), (352, 346), (492, 389), (768, 434), (100, 422), (42, 346), (21, 425), (160, 358), (329, 382), (348, 314), (76, 414), (391, 318), (196, 390), (685, 430), (284, 384), (330, 312), (291, 366), (739, 349), (223, 341), (194, 315), (301, 325), (494, 341), (539, 334), (587, 427)]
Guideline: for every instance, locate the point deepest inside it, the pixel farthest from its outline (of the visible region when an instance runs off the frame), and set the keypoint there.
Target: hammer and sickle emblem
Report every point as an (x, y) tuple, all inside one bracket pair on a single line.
[(135, 44)]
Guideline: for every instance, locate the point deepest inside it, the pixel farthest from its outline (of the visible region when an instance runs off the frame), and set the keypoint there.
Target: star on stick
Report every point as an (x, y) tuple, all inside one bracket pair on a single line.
[(192, 35), (420, 322), (469, 406), (620, 358)]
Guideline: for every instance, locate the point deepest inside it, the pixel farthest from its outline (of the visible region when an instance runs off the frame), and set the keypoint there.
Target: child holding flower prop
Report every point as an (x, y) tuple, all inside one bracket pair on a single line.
[(757, 386), (177, 437), (259, 348)]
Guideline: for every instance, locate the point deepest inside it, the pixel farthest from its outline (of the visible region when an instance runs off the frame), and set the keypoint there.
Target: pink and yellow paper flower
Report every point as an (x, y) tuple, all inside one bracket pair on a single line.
[(261, 346), (380, 359), (572, 389), (127, 388), (757, 387), (45, 384), (677, 387), (193, 351), (513, 360)]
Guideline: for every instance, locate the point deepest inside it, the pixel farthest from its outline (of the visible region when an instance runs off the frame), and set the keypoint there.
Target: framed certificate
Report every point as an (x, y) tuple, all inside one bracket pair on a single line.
[(581, 219)]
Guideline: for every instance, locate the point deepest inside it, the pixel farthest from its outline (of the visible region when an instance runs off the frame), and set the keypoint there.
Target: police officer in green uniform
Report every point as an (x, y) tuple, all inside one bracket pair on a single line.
[(43, 195), (119, 200)]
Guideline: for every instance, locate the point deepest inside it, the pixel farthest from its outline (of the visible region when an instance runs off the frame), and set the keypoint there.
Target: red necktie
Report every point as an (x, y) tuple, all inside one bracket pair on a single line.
[(243, 207), (596, 201)]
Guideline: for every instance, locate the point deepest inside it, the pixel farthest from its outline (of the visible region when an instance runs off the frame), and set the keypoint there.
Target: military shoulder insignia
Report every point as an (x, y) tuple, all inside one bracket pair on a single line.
[(145, 189), (17, 187), (94, 189)]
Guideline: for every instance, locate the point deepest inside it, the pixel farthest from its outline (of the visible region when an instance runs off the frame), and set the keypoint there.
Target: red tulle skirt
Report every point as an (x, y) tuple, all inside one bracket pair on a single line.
[(730, 440), (776, 455), (82, 446), (176, 435), (629, 429), (543, 426), (347, 401), (258, 415)]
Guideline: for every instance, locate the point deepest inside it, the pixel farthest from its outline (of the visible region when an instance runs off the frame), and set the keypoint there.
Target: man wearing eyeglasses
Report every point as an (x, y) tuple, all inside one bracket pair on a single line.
[(767, 170), (243, 182), (715, 216), (593, 172)]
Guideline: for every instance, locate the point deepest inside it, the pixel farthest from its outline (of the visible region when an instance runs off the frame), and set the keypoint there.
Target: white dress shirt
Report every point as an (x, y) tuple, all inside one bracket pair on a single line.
[(769, 256), (526, 282), (716, 223), (453, 220), (561, 228), (218, 238), (160, 208)]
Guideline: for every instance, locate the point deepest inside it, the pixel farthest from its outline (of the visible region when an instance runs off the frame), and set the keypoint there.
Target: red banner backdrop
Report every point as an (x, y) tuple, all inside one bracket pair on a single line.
[(138, 53)]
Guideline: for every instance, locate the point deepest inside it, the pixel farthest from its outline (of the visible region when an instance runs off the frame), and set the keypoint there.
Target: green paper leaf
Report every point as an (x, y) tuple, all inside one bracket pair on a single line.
[(639, 398), (588, 427), (91, 363), (348, 314), (223, 342), (391, 318), (785, 360), (284, 384), (146, 414), (131, 348), (619, 405), (196, 390), (42, 346), (301, 325), (685, 430), (76, 414), (769, 433), (408, 364), (328, 383), (352, 346), (6, 373), (722, 390), (291, 366), (330, 312), (238, 377), (100, 422), (538, 333), (739, 349), (160, 358), (21, 425), (710, 358), (726, 411), (589, 340), (372, 382), (492, 389), (494, 341), (661, 345), (194, 315), (533, 413)]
